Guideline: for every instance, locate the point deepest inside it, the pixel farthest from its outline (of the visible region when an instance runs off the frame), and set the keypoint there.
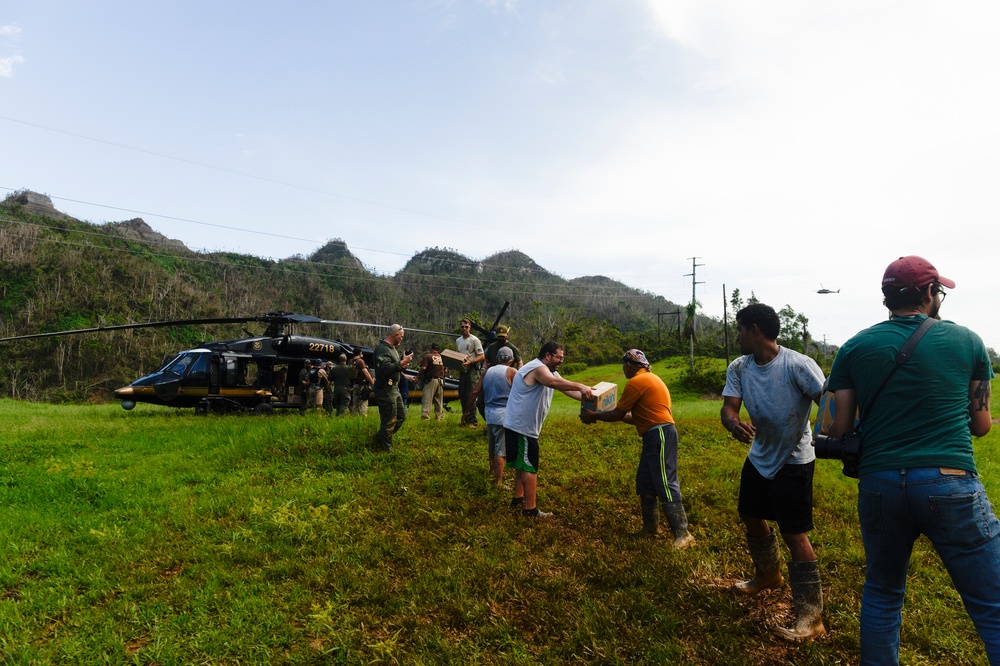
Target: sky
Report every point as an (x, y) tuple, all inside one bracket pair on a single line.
[(776, 147)]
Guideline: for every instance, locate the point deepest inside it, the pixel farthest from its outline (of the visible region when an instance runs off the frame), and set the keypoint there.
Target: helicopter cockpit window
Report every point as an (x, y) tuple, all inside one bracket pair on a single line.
[(183, 363), (199, 371), (179, 365)]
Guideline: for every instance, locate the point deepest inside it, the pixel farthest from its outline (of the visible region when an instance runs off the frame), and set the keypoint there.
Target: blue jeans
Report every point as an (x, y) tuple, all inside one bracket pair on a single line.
[(894, 508)]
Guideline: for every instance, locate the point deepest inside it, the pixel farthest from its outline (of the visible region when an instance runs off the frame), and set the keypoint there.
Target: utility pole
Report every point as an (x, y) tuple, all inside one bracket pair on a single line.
[(694, 303), (661, 314), (725, 323)]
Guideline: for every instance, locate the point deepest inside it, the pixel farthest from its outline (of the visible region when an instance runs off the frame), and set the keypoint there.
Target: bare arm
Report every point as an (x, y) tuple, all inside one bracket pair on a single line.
[(730, 415), (544, 376), (588, 416), (845, 409), (476, 356), (979, 407)]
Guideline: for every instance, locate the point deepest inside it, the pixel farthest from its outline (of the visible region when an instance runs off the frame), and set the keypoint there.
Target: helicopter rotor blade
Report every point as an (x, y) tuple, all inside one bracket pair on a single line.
[(490, 332), (503, 310), (123, 327), (361, 323), (269, 318)]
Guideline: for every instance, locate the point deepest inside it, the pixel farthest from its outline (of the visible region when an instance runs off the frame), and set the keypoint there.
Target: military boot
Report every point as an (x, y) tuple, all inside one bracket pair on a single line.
[(677, 517), (650, 516), (767, 563), (807, 596)]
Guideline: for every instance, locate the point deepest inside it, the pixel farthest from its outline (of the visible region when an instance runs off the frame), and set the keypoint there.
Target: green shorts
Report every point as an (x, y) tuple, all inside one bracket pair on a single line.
[(526, 457)]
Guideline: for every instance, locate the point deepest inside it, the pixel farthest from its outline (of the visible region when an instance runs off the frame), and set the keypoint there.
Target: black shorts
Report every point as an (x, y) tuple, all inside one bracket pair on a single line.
[(787, 498)]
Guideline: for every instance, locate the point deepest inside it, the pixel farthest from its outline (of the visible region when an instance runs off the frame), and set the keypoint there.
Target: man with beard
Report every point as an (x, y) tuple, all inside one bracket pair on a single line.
[(917, 474)]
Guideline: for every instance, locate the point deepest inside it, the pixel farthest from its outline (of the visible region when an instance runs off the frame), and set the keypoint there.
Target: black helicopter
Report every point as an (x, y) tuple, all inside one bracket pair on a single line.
[(256, 373)]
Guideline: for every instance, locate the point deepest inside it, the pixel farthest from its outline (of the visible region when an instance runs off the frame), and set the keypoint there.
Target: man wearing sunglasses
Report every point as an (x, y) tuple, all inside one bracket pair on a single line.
[(469, 346), (917, 473)]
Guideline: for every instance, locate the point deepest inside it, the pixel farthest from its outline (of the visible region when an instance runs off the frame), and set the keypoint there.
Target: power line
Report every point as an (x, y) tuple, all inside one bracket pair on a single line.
[(458, 262), (261, 178)]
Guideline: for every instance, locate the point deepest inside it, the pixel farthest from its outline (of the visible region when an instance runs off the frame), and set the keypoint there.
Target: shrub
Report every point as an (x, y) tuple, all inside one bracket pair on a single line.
[(704, 380)]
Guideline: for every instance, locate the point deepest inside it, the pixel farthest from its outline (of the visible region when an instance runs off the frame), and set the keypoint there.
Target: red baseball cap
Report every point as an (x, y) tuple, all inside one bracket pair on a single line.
[(913, 271)]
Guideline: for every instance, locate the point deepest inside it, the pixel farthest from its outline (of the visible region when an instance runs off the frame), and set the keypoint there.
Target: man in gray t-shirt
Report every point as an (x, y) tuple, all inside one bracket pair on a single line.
[(777, 386)]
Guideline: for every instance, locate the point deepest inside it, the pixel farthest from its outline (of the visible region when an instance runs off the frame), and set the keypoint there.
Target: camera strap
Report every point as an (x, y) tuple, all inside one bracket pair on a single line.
[(904, 354)]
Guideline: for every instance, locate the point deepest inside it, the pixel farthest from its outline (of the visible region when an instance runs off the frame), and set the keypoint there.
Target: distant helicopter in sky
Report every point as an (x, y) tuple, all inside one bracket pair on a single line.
[(824, 290)]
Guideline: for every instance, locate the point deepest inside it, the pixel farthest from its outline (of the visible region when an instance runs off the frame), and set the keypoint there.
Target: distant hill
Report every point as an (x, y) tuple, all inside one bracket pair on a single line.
[(58, 273), (137, 229)]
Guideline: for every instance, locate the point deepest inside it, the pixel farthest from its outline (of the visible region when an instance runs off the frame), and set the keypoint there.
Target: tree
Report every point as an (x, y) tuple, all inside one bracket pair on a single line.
[(794, 334)]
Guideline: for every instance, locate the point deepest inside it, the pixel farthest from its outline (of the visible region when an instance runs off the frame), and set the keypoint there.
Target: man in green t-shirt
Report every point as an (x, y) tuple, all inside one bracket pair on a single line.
[(917, 470)]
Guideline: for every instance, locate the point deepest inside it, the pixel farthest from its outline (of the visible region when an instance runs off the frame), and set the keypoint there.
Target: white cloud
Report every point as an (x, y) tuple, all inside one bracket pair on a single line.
[(7, 65), (11, 35)]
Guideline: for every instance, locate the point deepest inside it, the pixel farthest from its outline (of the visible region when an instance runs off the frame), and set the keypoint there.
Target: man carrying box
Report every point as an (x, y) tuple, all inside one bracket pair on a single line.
[(645, 403), (472, 349), (530, 397)]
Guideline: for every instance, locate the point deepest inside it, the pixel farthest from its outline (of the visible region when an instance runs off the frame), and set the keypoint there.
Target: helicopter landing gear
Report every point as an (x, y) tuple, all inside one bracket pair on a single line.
[(263, 409), (217, 406)]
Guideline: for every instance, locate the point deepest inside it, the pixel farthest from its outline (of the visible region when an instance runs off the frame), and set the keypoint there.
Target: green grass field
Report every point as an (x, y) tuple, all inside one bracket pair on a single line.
[(160, 537)]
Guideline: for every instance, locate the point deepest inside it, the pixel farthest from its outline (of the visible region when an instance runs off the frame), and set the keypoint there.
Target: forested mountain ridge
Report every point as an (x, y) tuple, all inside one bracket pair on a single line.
[(59, 273)]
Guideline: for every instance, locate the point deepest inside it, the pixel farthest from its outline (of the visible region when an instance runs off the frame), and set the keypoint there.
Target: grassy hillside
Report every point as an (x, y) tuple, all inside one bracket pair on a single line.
[(159, 537), (57, 273)]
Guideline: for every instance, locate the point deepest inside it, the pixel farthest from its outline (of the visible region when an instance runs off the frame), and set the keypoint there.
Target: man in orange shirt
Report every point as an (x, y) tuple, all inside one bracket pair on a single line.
[(645, 403)]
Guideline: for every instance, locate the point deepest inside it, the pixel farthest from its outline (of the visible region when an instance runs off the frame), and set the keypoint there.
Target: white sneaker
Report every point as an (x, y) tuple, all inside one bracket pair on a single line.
[(536, 513)]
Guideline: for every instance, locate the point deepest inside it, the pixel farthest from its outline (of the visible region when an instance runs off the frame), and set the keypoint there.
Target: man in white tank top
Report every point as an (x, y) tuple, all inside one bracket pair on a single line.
[(528, 405)]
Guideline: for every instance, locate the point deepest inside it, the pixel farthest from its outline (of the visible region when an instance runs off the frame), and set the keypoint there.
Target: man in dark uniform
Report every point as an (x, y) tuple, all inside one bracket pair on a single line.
[(490, 359), (302, 387), (491, 350), (363, 384), (388, 368), (342, 375)]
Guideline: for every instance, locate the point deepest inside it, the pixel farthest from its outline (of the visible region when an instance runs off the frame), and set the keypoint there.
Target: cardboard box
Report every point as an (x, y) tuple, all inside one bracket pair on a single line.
[(452, 359), (605, 398)]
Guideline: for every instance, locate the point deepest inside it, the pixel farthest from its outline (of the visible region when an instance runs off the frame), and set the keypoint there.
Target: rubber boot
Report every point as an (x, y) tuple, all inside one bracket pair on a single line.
[(650, 516), (766, 562), (807, 596), (676, 516)]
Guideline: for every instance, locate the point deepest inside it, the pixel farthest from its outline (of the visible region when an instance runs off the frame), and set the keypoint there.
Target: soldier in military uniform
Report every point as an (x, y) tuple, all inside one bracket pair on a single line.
[(341, 375), (388, 368)]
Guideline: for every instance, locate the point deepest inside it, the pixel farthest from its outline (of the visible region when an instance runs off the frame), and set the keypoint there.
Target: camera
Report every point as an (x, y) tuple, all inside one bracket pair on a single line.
[(847, 449)]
